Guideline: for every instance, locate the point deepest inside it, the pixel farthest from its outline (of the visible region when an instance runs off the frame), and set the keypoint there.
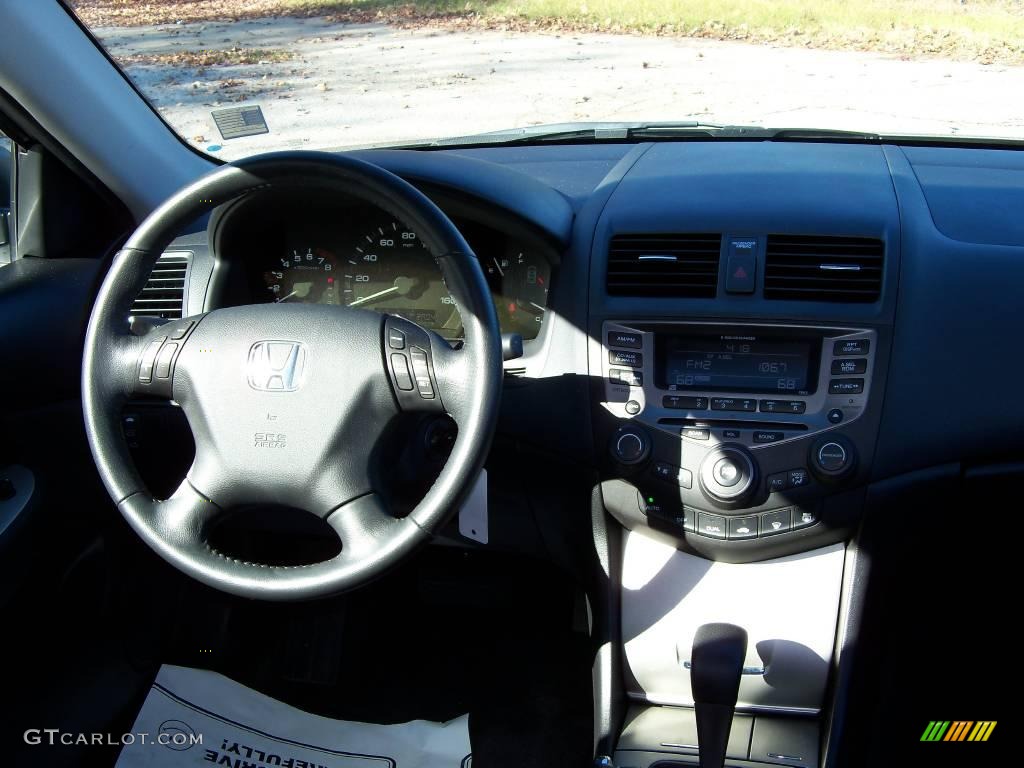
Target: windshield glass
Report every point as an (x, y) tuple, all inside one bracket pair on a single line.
[(235, 77)]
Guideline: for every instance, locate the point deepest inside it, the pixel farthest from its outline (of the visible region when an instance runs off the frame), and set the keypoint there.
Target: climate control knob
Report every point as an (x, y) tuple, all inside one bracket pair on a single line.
[(833, 457), (728, 474), (630, 445)]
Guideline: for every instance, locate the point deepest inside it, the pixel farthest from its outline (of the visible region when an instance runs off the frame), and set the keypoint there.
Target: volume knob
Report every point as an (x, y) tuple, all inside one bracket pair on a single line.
[(630, 445)]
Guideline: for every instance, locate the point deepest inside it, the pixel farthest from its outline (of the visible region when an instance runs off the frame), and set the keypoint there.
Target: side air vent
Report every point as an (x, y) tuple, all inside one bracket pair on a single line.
[(837, 269), (680, 265), (164, 292)]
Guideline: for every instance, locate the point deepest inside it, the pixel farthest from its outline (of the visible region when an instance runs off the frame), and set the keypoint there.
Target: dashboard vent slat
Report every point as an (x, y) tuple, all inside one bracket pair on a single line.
[(832, 269), (164, 292), (667, 265)]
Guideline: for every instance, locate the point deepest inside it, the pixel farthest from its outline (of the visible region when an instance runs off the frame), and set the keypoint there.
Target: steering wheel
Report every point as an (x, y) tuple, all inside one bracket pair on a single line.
[(288, 402)]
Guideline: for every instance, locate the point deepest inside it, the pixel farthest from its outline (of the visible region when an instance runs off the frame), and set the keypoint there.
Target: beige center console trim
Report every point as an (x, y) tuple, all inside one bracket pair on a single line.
[(789, 607)]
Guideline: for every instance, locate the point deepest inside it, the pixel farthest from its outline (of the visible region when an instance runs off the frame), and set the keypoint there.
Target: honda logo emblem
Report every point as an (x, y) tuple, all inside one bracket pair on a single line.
[(276, 366)]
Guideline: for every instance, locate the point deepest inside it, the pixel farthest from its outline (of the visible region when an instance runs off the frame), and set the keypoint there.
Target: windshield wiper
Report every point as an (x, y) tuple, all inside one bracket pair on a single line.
[(645, 131)]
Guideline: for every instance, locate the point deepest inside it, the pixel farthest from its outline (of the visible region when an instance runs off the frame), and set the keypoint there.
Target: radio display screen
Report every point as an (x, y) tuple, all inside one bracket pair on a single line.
[(724, 363)]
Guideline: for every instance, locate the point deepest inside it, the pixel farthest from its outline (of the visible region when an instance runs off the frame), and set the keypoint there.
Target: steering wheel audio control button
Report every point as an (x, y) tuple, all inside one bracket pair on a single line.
[(163, 362), (400, 367), (149, 359), (182, 330)]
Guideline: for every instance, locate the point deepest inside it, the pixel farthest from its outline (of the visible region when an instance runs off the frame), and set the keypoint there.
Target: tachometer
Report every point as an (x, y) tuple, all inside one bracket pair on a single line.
[(306, 275)]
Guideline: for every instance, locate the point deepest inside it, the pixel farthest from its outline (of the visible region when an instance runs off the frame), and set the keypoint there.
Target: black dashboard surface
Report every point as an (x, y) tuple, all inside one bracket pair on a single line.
[(953, 277)]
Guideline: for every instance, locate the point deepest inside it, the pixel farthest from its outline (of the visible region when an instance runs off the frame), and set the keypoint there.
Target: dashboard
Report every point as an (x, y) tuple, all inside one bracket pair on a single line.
[(739, 337), (348, 253)]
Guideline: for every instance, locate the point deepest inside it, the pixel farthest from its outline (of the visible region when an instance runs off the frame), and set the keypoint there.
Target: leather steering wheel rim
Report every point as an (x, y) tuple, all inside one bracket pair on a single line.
[(349, 372)]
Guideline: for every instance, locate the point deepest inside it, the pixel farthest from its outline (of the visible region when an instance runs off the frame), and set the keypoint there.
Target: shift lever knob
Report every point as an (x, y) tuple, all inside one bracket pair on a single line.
[(716, 664)]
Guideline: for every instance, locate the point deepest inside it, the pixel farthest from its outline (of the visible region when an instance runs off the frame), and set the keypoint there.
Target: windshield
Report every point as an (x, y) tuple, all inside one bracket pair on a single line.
[(236, 77)]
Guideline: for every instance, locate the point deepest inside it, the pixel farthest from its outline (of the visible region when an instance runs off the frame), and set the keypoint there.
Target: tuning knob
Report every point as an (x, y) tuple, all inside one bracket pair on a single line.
[(728, 474), (630, 445)]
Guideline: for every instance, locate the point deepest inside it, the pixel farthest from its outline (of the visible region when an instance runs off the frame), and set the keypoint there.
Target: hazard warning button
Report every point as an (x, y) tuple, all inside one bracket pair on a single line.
[(741, 265)]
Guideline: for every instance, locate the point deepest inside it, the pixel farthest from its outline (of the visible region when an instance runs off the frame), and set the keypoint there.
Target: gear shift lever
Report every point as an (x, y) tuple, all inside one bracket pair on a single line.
[(716, 665)]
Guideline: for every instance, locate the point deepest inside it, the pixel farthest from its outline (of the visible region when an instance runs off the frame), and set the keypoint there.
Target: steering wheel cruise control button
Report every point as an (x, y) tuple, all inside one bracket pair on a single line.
[(421, 371), (396, 339), (149, 359), (401, 369)]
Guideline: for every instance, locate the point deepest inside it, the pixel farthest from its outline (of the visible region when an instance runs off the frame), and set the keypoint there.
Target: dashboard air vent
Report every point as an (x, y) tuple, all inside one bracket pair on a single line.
[(810, 268), (676, 265), (164, 292)]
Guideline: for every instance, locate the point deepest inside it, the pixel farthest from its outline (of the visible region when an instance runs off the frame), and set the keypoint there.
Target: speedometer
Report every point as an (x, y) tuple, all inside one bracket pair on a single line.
[(390, 270)]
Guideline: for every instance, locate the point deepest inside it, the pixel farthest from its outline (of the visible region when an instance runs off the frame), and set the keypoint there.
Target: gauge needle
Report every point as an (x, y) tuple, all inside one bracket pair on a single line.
[(299, 290), (402, 286), (500, 270), (540, 309), (373, 296)]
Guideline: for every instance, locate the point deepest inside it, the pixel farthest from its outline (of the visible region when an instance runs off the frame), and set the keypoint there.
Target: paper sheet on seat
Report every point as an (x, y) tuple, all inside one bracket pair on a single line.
[(239, 727)]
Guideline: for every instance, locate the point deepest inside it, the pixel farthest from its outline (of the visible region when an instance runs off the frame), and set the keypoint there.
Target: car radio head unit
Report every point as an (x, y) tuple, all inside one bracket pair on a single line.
[(731, 362)]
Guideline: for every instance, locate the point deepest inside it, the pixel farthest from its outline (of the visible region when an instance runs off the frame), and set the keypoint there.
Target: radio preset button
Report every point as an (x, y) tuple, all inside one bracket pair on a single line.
[(625, 357), (623, 376), (846, 386), (695, 433), (625, 339), (848, 367), (733, 404), (767, 436), (684, 402), (783, 406), (851, 347)]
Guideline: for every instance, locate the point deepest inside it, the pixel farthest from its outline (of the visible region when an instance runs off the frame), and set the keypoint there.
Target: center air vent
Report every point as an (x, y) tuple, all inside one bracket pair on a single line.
[(681, 265), (164, 292), (810, 268)]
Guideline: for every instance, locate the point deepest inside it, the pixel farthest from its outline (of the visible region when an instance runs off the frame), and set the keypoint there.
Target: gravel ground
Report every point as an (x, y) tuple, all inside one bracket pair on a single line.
[(363, 84)]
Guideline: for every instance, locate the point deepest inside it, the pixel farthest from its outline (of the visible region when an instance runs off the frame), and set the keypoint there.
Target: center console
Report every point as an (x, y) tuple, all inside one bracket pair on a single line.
[(731, 437)]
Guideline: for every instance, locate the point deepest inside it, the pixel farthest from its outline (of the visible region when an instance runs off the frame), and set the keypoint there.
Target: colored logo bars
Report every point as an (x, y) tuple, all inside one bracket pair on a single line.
[(958, 730)]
